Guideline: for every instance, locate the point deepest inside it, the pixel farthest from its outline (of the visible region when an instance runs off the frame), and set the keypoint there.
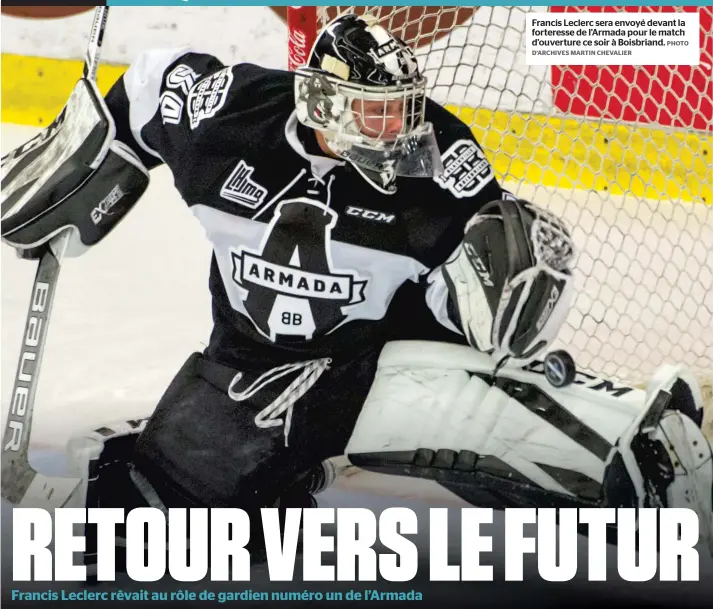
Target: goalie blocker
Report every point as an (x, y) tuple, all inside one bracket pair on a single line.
[(73, 176)]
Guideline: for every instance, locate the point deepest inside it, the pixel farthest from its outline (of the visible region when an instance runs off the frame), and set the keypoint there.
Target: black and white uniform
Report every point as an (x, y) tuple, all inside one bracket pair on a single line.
[(313, 272)]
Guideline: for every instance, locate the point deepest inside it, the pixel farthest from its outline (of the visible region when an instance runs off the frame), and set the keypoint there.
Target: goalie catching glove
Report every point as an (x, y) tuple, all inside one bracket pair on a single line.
[(72, 176), (510, 281)]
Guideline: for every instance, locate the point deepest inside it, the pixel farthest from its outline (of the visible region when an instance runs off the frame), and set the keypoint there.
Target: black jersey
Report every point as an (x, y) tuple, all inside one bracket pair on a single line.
[(309, 259)]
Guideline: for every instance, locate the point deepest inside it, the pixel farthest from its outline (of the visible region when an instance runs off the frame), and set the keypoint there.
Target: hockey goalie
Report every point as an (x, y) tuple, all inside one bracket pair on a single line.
[(376, 293)]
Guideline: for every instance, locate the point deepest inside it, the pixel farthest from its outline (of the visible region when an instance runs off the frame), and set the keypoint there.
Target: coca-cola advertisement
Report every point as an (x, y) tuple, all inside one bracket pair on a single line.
[(302, 31)]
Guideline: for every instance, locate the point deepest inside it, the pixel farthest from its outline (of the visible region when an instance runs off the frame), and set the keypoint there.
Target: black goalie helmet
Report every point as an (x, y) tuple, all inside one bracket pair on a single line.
[(363, 91)]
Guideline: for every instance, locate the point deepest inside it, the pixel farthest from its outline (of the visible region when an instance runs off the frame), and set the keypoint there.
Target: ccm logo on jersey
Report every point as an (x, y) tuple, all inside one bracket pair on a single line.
[(368, 214), (240, 188), (465, 169)]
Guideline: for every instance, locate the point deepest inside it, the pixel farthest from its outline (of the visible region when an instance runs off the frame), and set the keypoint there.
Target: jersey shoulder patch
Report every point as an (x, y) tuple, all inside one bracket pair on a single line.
[(231, 89), (207, 96), (466, 170)]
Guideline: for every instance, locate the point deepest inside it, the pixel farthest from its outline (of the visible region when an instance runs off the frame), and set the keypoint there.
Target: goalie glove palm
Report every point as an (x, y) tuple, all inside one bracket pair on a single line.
[(510, 280)]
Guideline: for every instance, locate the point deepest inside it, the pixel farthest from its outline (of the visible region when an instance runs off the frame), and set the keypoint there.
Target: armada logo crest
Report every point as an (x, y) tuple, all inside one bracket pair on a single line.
[(292, 288)]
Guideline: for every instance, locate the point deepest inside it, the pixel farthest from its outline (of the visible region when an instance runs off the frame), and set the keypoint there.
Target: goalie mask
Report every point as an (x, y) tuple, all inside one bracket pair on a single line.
[(363, 91)]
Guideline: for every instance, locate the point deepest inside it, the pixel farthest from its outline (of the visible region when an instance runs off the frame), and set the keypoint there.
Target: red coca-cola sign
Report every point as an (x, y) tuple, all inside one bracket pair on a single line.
[(302, 28), (297, 49)]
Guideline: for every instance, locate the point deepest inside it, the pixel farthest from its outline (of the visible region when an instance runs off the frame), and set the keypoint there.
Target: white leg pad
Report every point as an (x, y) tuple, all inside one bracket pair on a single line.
[(428, 395)]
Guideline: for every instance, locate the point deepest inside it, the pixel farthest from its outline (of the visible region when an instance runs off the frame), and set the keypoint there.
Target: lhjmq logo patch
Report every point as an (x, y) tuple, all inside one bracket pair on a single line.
[(465, 169), (292, 287), (241, 188)]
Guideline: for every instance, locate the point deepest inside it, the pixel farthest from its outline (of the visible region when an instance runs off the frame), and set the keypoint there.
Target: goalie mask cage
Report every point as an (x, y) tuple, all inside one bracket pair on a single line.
[(622, 153)]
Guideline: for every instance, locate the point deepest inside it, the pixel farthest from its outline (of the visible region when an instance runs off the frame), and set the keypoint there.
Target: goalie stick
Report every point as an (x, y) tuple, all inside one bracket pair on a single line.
[(21, 484)]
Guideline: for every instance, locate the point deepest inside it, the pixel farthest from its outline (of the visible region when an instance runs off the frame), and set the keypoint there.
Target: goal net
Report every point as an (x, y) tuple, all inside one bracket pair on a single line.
[(622, 153)]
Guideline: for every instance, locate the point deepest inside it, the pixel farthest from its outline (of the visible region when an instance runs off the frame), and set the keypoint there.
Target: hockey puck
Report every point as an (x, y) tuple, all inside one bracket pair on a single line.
[(560, 368)]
